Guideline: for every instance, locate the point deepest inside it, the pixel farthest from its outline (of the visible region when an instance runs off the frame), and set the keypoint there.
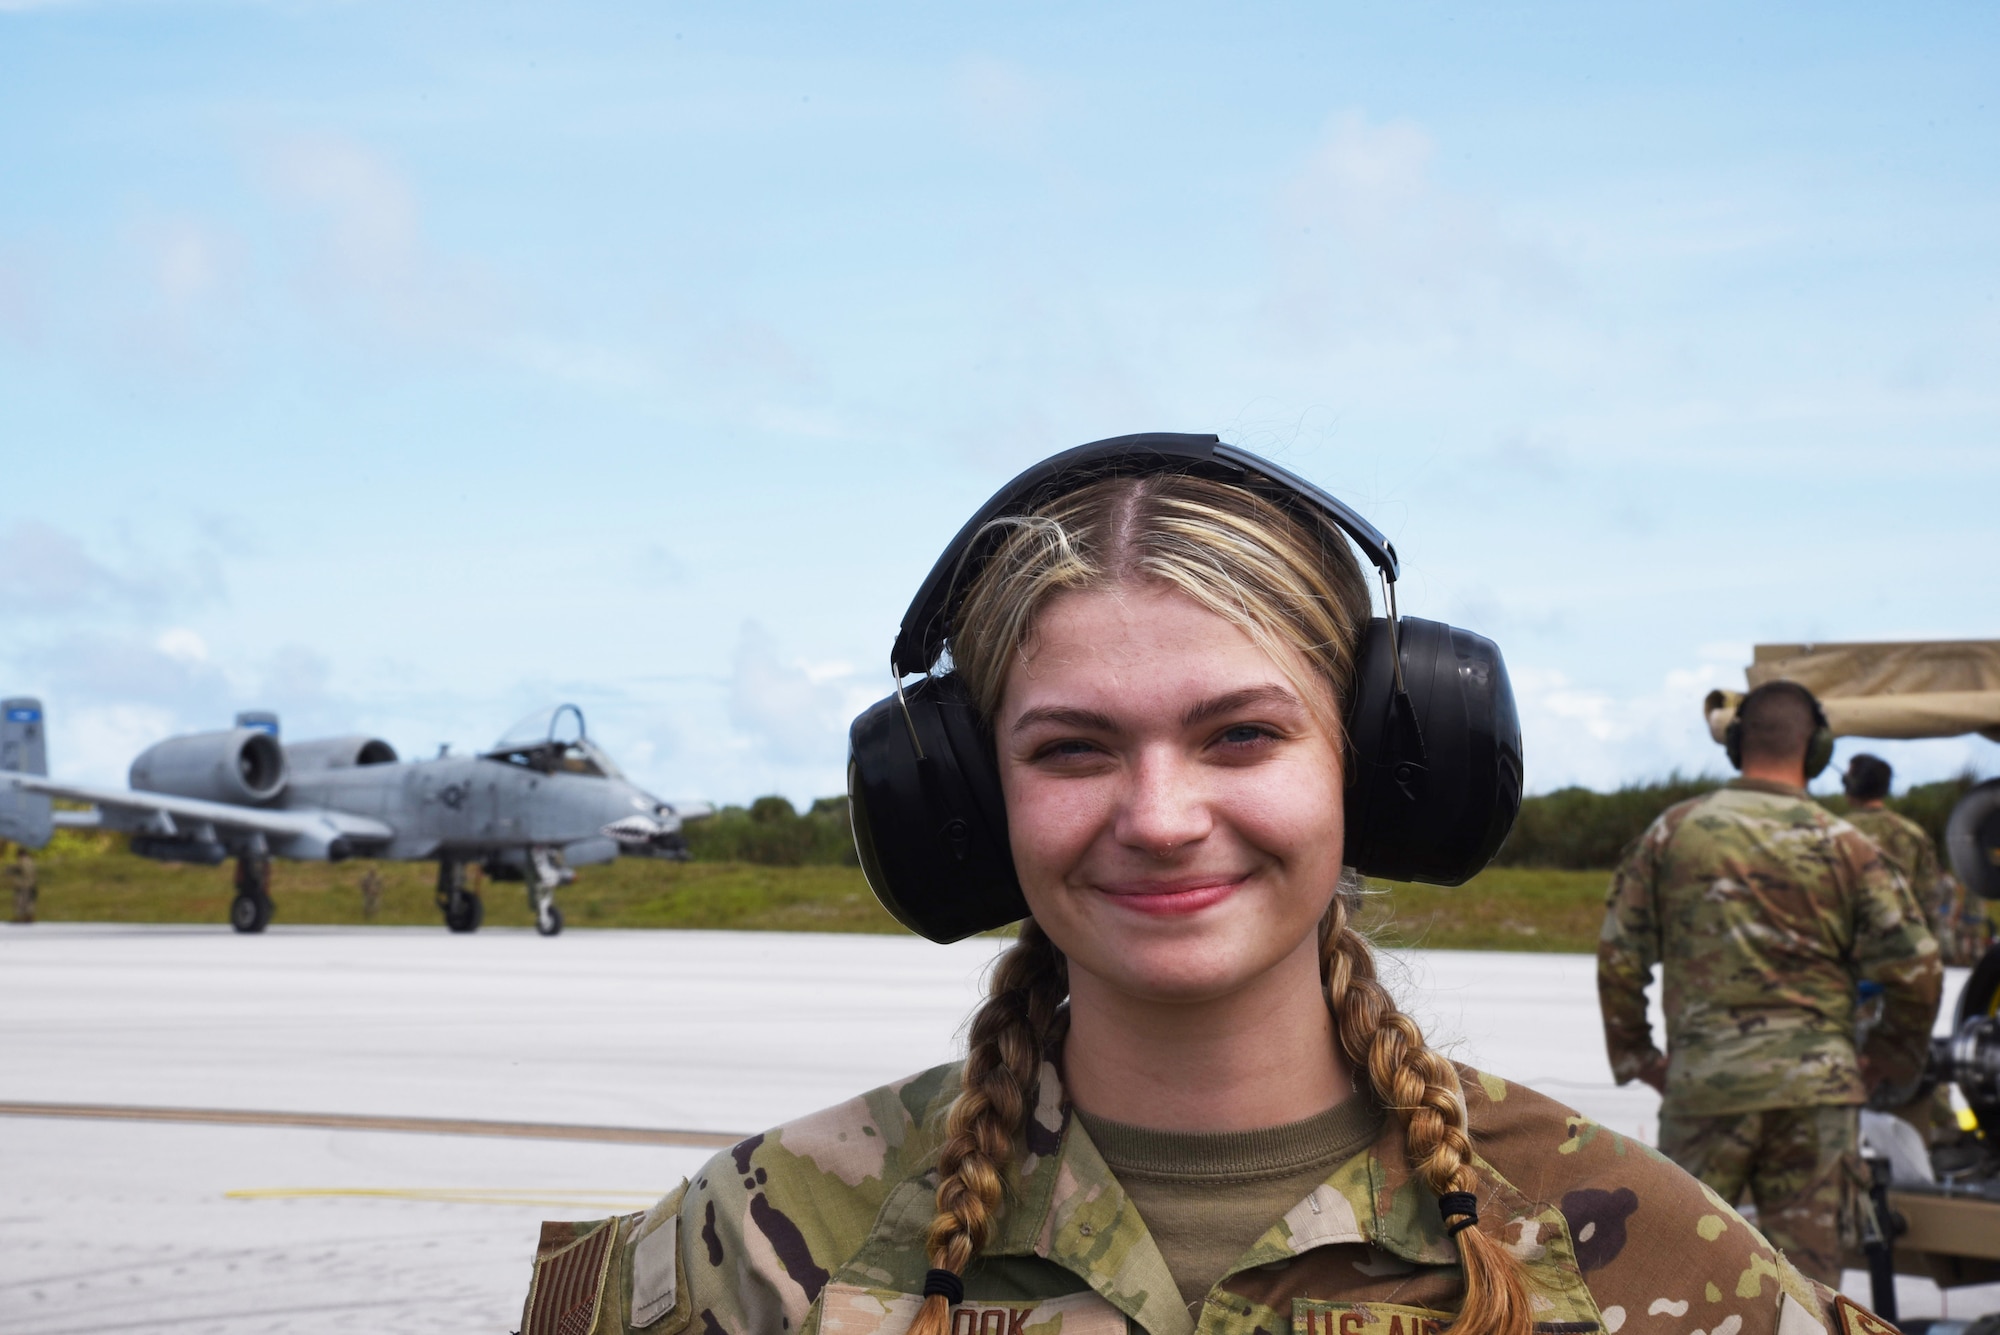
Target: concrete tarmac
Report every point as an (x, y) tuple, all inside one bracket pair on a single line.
[(188, 1226)]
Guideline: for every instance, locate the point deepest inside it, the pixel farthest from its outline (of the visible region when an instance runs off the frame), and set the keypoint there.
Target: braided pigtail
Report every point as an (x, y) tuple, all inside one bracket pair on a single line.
[(1422, 1088), (1021, 1018)]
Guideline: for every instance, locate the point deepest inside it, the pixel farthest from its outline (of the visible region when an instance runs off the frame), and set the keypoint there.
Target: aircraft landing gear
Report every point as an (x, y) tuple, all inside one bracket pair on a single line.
[(251, 910), (463, 909), (544, 873)]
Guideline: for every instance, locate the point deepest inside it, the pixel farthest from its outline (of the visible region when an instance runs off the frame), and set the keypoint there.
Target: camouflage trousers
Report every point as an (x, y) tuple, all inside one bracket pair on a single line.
[(24, 903), (1799, 1165)]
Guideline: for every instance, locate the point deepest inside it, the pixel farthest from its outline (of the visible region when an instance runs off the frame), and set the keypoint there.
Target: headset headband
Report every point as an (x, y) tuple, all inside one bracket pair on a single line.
[(921, 640)]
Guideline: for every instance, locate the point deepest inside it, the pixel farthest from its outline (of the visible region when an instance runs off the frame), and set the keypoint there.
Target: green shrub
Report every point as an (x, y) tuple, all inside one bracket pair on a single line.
[(772, 833), (1578, 829)]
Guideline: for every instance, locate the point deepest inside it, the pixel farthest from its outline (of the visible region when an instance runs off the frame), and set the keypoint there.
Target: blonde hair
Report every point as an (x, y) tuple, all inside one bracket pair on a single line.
[(1294, 587)]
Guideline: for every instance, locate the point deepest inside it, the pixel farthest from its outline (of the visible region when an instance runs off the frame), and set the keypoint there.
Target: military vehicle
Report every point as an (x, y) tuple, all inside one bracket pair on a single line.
[(1941, 1219), (1936, 1207), (542, 801)]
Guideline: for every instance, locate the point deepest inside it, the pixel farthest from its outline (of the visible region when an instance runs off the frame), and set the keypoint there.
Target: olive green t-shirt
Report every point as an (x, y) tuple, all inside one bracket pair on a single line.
[(1206, 1196)]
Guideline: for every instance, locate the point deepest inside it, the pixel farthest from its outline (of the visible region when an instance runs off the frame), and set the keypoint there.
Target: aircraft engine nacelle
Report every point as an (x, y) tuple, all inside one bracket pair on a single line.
[(338, 753), (243, 766)]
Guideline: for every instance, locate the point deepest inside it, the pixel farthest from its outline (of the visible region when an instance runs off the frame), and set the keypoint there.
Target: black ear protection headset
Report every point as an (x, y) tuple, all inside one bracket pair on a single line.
[(1434, 766), (1819, 748)]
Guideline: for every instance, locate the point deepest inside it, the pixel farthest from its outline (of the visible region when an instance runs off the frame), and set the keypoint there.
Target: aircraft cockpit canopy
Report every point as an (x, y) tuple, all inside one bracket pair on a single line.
[(552, 741)]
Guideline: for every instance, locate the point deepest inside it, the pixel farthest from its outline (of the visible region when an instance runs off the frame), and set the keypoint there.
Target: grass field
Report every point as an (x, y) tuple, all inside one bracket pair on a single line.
[(1502, 908), (91, 878)]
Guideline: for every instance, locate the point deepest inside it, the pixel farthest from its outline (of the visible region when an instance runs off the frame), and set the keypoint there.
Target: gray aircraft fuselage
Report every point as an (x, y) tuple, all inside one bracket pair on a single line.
[(470, 807)]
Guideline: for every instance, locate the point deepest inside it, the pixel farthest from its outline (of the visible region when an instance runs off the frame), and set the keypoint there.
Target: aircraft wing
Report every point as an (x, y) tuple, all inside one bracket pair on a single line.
[(310, 825)]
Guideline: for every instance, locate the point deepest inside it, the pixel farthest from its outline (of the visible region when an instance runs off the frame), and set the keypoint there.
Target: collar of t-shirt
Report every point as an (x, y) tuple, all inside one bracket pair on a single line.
[(1206, 1196)]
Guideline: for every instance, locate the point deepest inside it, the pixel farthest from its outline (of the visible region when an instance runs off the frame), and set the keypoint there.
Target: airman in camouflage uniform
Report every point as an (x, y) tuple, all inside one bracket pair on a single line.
[(1908, 848), (1962, 936), (817, 1228), (1906, 844), (1766, 912), (21, 875)]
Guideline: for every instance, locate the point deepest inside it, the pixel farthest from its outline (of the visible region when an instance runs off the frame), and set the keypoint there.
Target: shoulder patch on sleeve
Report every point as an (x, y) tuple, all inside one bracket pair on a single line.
[(569, 1282), (1857, 1320)]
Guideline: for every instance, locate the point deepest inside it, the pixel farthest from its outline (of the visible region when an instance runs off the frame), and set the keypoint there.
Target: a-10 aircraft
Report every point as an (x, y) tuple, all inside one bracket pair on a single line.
[(545, 799)]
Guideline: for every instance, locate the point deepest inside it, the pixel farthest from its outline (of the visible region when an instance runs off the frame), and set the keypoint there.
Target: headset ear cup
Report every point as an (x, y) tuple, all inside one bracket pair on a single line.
[(1732, 742), (1819, 751), (1367, 708), (1434, 779), (930, 824)]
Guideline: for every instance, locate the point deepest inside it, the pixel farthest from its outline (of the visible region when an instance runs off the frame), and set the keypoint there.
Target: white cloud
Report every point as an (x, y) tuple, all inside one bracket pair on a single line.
[(182, 645), (1602, 739), (794, 710), (98, 743), (372, 256), (758, 353), (1002, 106), (593, 365), (369, 210), (1576, 734), (190, 262), (171, 672), (166, 296), (45, 570), (1369, 243)]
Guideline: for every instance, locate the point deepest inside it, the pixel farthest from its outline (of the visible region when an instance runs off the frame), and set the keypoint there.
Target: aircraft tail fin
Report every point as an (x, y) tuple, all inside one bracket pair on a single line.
[(24, 817)]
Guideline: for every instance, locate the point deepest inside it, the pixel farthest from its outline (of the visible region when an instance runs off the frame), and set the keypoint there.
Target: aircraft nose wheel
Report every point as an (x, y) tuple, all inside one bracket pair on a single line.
[(544, 871)]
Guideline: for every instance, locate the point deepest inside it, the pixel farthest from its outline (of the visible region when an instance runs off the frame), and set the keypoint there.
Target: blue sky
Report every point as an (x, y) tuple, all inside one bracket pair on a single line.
[(402, 368)]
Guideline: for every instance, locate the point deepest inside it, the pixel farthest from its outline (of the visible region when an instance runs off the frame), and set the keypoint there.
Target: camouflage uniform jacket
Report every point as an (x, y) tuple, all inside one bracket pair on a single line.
[(817, 1228), (1766, 912), (1908, 848)]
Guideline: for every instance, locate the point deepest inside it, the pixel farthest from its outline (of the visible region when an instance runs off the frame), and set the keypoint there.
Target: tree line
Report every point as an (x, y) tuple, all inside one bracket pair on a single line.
[(1574, 829), (1581, 830)]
